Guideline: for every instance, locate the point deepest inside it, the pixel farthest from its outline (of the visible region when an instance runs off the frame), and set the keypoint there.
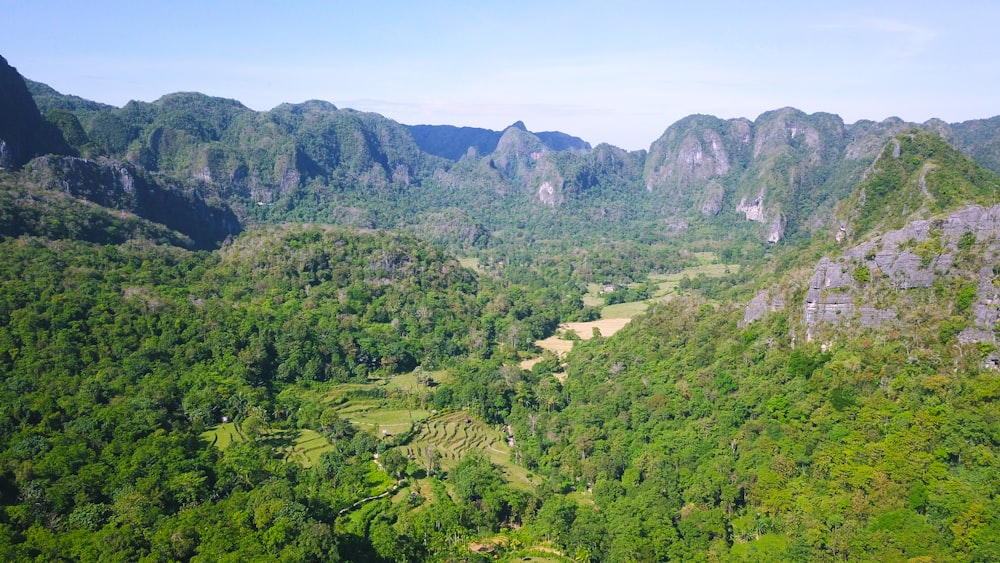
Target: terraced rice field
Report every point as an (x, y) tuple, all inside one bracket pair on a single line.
[(223, 435), (452, 435), (307, 448), (297, 446)]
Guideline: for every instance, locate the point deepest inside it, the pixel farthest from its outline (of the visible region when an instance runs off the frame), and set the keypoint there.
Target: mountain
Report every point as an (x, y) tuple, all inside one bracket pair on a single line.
[(784, 170), (448, 141), (779, 175), (178, 213), (187, 371), (23, 132)]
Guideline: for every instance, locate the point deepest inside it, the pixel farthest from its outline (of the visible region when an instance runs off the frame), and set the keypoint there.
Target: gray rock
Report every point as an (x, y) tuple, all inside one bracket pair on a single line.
[(838, 291)]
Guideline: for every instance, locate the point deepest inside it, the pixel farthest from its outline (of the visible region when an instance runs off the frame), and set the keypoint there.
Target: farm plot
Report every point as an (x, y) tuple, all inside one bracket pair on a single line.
[(297, 446), (453, 434), (450, 436), (306, 448), (393, 421), (585, 330)]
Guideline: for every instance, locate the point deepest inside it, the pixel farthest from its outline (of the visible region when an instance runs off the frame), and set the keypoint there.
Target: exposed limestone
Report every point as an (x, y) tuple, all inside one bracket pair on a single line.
[(762, 303), (713, 196), (546, 194), (852, 289), (754, 209), (776, 231)]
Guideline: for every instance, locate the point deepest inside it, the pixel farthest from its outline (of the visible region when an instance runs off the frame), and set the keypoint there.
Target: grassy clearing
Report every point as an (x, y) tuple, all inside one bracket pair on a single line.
[(593, 297), (470, 263), (706, 258), (394, 421), (624, 310), (223, 435), (555, 344), (407, 382)]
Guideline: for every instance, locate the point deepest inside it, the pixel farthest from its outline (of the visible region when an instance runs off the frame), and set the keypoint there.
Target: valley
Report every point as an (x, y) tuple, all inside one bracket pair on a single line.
[(317, 334)]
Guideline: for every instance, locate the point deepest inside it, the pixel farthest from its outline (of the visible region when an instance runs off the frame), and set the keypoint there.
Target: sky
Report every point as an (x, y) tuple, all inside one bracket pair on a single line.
[(618, 71)]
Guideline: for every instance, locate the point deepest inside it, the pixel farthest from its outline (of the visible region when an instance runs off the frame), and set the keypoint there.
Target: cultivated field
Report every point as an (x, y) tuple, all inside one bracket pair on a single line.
[(559, 345), (615, 317), (298, 446), (451, 435)]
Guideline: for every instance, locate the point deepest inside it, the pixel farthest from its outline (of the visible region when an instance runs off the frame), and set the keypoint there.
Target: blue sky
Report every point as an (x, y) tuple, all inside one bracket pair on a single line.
[(618, 72)]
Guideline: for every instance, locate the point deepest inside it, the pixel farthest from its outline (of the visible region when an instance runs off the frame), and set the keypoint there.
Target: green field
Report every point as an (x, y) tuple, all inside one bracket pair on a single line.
[(666, 287), (624, 310), (298, 446), (453, 434), (668, 282), (376, 419)]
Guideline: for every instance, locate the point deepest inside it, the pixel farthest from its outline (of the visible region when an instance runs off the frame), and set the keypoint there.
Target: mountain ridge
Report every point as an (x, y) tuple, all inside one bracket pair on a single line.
[(783, 171)]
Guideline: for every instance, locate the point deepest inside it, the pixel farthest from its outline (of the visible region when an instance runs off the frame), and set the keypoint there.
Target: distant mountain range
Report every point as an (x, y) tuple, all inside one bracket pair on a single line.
[(784, 170)]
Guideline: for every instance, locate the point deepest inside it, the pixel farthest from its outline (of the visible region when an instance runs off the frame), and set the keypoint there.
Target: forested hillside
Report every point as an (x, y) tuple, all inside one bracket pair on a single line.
[(302, 335)]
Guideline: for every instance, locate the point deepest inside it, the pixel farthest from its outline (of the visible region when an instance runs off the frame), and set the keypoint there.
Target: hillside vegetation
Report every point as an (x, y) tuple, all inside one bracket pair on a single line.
[(296, 335)]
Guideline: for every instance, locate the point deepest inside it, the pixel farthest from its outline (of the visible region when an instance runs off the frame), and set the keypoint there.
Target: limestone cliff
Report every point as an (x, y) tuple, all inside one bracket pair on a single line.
[(785, 170), (122, 186), (23, 132), (901, 274)]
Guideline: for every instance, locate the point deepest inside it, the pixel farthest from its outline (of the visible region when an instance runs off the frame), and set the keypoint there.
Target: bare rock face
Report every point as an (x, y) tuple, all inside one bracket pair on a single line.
[(756, 211), (23, 132), (753, 209), (121, 186), (776, 230), (763, 303), (712, 199), (871, 284)]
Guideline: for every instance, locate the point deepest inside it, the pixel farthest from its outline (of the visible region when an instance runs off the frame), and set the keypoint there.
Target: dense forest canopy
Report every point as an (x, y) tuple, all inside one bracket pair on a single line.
[(301, 335)]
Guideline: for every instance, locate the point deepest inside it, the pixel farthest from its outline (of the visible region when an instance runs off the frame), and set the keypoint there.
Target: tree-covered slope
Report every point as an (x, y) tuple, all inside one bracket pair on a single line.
[(448, 141), (917, 175), (848, 412), (116, 357)]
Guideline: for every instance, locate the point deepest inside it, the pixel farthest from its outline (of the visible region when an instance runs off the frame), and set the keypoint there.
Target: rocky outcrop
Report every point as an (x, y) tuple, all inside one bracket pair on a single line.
[(23, 132), (870, 284), (753, 210), (763, 303), (122, 186)]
